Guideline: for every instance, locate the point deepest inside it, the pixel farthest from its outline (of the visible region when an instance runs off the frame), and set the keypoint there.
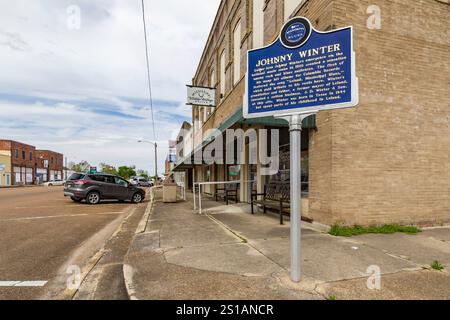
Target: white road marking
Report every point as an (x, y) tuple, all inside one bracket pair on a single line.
[(8, 283), (46, 217), (63, 216), (69, 205), (23, 283), (109, 213)]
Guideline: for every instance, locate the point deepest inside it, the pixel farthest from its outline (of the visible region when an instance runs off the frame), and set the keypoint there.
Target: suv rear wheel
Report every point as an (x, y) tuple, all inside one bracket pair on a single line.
[(93, 198), (137, 198)]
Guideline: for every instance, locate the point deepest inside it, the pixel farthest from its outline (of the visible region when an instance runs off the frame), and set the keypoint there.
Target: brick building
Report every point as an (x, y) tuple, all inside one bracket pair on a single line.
[(18, 158), (21, 164), (385, 161), (49, 165)]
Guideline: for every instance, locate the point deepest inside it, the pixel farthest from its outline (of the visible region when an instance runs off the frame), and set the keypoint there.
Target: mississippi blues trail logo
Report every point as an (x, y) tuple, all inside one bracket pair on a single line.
[(295, 32)]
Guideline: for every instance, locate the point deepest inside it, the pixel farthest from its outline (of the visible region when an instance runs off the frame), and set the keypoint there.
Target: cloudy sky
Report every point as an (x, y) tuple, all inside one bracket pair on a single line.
[(82, 89)]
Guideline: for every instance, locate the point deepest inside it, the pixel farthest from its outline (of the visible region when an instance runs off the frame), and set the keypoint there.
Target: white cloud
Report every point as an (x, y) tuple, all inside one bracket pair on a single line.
[(86, 88)]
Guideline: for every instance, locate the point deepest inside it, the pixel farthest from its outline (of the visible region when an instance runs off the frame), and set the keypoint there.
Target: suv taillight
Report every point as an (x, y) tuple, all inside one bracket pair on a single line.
[(81, 182)]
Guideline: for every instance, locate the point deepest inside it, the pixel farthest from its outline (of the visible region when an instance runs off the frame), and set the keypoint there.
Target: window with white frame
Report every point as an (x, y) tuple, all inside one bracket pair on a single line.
[(258, 23), (237, 53), (205, 114), (289, 7), (222, 75), (212, 84)]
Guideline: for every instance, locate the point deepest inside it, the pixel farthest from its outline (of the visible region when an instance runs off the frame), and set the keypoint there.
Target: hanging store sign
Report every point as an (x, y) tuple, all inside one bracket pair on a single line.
[(201, 96), (302, 72)]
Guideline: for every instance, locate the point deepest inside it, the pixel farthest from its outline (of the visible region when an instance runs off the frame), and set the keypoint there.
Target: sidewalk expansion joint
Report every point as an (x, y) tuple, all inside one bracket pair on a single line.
[(218, 244), (244, 240)]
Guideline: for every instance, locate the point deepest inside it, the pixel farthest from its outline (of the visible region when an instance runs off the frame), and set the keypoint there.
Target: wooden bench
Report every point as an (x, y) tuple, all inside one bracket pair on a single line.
[(277, 195), (229, 191)]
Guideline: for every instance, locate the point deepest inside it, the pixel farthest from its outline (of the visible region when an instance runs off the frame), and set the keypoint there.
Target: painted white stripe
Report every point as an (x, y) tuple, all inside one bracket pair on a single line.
[(109, 213), (68, 205), (46, 217), (31, 284), (62, 216), (8, 283), (23, 283)]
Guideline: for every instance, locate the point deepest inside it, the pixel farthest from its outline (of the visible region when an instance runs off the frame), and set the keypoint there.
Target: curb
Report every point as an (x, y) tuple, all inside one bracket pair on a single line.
[(127, 269)]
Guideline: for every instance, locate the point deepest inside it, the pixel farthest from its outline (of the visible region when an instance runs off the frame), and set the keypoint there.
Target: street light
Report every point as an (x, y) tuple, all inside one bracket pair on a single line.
[(156, 156)]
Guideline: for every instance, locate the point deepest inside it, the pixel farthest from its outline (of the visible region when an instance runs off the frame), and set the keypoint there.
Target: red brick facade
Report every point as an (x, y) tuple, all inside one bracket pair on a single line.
[(52, 162), (28, 164)]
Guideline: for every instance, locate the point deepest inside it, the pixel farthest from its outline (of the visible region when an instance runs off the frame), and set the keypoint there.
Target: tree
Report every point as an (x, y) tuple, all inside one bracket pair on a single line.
[(106, 168), (142, 173), (126, 172), (83, 166)]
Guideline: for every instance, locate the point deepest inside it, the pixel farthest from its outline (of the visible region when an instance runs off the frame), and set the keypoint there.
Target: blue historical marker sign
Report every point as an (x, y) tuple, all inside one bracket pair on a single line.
[(302, 72)]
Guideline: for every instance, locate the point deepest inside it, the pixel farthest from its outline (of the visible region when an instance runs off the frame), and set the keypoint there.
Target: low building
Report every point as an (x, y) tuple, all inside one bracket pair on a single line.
[(171, 157), (184, 147), (18, 160), (49, 165), (385, 161), (22, 164), (5, 168)]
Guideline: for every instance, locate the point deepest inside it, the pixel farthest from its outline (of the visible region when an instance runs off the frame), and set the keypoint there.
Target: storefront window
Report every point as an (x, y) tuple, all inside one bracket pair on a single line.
[(283, 174), (234, 173)]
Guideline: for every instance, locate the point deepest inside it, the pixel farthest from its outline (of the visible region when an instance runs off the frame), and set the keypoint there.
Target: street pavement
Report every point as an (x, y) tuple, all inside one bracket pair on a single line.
[(227, 253), (45, 238)]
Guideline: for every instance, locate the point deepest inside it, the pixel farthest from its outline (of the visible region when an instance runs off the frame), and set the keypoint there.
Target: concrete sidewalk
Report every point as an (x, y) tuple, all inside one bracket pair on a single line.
[(227, 253)]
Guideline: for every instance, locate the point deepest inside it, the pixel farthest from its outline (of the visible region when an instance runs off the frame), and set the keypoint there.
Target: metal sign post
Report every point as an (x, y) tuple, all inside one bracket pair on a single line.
[(295, 131), (301, 73)]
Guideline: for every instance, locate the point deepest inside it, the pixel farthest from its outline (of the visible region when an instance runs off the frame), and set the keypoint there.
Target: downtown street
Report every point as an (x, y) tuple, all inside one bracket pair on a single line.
[(45, 238)]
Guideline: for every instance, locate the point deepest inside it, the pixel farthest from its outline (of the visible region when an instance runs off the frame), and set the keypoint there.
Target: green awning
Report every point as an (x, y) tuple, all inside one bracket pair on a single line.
[(238, 118)]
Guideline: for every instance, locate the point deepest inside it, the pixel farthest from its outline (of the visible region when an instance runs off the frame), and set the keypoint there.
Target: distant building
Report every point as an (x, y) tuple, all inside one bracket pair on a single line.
[(185, 144), (22, 164), (49, 165), (18, 160)]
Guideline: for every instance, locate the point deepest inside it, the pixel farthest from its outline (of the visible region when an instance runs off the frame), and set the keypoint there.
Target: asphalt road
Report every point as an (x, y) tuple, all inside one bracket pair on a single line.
[(42, 233)]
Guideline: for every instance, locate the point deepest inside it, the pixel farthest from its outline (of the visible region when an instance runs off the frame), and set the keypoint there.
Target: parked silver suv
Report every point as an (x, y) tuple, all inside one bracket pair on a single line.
[(141, 182)]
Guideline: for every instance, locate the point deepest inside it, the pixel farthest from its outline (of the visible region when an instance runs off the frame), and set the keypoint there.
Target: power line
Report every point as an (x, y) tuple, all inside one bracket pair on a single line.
[(148, 70)]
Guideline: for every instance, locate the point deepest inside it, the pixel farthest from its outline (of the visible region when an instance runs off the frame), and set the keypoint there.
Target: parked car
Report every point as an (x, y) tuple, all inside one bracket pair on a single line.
[(141, 182), (52, 183), (96, 187)]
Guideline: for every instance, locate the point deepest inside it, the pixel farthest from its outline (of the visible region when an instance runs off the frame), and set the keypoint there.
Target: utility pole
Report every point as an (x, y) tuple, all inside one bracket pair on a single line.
[(156, 160), (155, 144)]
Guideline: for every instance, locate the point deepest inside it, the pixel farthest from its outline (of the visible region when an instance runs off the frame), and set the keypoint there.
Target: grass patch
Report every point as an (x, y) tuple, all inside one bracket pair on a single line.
[(436, 265), (340, 231), (332, 297)]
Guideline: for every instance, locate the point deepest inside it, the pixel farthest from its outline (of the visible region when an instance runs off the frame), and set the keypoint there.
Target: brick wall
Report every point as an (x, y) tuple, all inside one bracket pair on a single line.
[(55, 159), (18, 159), (220, 40), (389, 159), (386, 161)]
